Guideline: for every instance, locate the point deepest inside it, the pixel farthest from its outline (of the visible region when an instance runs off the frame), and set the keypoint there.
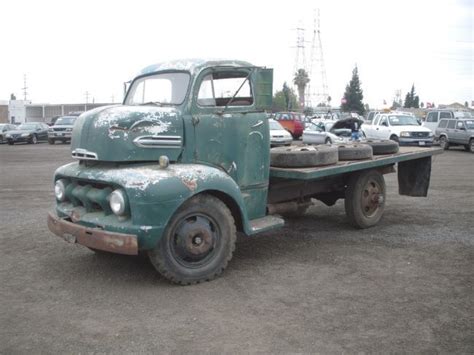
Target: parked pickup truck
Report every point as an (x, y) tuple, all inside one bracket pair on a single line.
[(184, 164)]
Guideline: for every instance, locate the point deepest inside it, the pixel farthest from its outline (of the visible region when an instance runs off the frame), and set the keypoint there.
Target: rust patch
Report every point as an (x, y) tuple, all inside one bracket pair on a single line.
[(191, 184)]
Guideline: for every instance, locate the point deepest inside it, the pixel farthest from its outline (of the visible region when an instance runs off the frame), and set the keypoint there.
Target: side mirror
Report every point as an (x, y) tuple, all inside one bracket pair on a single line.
[(462, 128)]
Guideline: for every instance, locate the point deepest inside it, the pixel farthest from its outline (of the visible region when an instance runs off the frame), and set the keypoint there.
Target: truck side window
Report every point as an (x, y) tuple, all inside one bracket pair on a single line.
[(383, 121), (460, 125), (451, 123), (433, 117), (445, 115), (217, 89), (443, 123)]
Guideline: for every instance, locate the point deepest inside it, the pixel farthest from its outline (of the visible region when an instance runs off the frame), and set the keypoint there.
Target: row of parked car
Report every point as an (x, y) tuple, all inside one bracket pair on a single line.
[(451, 128), (34, 132)]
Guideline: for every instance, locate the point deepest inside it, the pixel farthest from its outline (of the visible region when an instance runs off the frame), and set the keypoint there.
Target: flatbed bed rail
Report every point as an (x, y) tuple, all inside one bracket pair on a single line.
[(342, 167)]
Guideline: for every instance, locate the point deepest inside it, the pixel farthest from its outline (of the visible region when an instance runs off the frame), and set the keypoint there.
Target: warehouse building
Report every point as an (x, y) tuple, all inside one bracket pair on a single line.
[(19, 111)]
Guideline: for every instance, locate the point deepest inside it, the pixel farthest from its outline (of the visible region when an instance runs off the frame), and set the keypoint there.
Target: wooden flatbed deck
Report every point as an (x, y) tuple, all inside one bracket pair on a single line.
[(404, 154)]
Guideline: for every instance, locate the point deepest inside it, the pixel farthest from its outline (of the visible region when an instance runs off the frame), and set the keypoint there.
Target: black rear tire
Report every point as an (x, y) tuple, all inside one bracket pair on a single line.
[(365, 199), (381, 147), (354, 151), (10, 143), (303, 156), (197, 243), (471, 145), (51, 141)]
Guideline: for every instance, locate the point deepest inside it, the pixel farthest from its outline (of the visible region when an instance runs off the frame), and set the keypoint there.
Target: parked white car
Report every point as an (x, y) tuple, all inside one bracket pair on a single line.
[(278, 135), (401, 128), (329, 132)]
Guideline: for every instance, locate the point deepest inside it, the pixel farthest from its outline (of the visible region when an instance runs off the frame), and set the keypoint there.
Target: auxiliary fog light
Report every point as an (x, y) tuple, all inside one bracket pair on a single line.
[(118, 203)]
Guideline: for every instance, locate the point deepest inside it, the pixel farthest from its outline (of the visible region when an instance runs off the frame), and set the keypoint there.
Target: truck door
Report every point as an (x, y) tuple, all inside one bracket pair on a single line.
[(230, 134), (382, 131), (459, 135)]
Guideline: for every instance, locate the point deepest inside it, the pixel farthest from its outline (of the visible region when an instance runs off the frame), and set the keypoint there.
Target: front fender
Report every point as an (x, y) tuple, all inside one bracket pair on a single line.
[(155, 194)]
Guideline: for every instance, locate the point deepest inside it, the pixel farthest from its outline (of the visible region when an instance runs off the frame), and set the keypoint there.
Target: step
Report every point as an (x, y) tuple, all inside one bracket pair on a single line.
[(265, 224)]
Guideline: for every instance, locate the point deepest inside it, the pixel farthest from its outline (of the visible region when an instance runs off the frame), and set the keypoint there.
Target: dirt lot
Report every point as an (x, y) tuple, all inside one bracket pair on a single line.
[(317, 285)]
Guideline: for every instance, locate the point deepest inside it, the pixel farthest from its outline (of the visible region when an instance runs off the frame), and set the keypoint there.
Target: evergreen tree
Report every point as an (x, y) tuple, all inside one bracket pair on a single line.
[(411, 99), (353, 95), (285, 100)]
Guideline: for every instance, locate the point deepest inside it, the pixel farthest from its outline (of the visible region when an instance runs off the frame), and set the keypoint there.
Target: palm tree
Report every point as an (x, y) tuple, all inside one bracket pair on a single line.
[(301, 79)]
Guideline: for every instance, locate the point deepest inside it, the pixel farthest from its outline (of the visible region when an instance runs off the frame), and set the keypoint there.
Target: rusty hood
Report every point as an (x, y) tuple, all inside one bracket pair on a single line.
[(128, 133)]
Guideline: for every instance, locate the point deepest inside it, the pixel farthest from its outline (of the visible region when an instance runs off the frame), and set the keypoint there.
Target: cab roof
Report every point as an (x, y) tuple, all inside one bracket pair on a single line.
[(193, 65)]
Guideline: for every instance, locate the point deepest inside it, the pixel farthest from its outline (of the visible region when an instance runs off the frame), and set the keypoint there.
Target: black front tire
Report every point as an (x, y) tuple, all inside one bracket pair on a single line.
[(443, 142), (365, 199), (394, 138), (51, 141), (470, 146), (34, 139), (198, 242), (10, 143)]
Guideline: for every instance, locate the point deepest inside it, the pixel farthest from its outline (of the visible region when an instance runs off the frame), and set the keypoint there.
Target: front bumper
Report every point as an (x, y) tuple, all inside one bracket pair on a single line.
[(95, 238), (18, 139), (59, 135), (280, 141), (422, 142)]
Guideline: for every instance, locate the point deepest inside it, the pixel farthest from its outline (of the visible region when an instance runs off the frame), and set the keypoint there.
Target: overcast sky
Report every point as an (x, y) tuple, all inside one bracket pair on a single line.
[(69, 47)]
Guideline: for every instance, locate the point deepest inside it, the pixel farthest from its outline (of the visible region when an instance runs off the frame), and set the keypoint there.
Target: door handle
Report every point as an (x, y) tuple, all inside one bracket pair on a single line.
[(258, 124)]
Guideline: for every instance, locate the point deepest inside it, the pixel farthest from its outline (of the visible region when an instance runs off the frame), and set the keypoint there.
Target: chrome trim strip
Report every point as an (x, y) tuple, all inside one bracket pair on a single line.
[(84, 154), (173, 142)]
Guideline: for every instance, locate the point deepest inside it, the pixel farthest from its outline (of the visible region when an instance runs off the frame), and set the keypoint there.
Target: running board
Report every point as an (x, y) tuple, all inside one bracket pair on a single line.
[(265, 224)]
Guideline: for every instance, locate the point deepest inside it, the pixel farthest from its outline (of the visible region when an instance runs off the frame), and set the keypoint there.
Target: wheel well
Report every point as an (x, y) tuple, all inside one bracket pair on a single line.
[(231, 204)]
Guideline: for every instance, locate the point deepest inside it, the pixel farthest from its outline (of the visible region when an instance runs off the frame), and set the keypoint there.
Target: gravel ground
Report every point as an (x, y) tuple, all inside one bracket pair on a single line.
[(317, 285)]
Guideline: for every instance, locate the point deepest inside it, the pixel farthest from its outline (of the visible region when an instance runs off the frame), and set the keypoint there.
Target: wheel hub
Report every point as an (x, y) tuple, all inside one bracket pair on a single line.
[(372, 198), (194, 239)]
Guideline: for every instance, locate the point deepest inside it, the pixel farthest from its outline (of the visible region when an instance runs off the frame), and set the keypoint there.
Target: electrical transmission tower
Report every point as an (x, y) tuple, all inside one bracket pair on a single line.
[(300, 58), (300, 64), (317, 92), (24, 88)]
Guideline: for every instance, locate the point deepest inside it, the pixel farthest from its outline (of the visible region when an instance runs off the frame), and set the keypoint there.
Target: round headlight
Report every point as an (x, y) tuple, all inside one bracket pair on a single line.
[(60, 190), (117, 202)]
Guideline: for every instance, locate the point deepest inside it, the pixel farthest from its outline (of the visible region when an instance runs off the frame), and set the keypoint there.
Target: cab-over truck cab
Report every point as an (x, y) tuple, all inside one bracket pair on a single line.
[(175, 170)]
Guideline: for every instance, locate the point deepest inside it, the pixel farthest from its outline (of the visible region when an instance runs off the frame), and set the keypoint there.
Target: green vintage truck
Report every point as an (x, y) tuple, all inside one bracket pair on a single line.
[(184, 164)]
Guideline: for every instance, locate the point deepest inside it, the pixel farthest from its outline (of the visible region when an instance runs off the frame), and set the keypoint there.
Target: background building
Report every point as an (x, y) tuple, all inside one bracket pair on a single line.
[(19, 111)]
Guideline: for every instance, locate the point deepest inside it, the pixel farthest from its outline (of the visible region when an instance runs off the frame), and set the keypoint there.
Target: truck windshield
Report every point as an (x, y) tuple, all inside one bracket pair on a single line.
[(159, 89), (65, 121), (403, 121)]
